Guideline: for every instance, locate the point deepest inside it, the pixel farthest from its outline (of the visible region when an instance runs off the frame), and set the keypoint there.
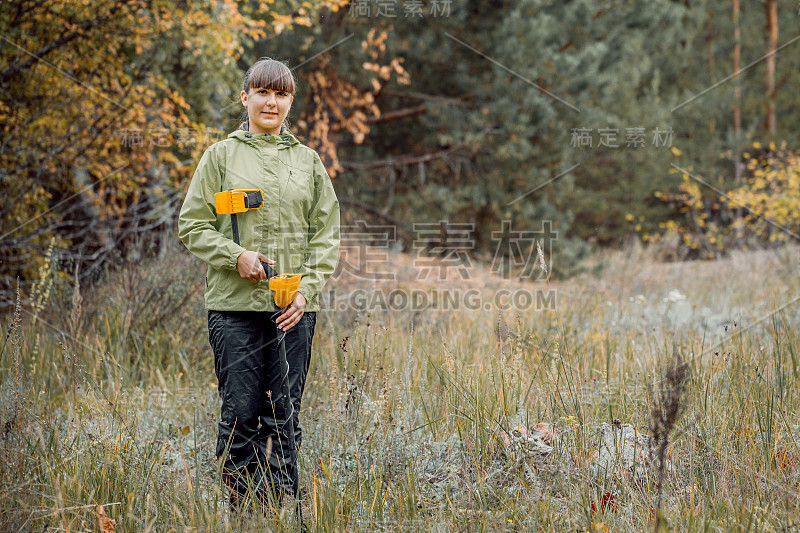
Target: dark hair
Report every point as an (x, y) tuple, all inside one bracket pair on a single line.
[(268, 74)]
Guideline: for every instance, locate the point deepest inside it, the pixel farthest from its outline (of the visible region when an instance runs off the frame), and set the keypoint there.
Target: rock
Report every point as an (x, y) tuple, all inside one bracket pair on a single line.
[(523, 443), (623, 450)]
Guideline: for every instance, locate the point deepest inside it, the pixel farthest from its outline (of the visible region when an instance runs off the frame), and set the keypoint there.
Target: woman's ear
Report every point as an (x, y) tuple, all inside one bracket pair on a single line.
[(243, 97)]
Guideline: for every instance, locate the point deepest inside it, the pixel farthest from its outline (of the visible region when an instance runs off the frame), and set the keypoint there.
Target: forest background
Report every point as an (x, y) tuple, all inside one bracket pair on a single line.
[(583, 124), (609, 192)]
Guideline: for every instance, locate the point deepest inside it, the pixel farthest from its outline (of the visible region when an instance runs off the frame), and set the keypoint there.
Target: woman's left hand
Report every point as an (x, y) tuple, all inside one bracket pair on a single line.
[(292, 314)]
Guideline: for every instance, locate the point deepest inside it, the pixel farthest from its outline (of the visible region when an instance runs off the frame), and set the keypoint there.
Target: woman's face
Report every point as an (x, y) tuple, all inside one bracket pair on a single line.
[(266, 109)]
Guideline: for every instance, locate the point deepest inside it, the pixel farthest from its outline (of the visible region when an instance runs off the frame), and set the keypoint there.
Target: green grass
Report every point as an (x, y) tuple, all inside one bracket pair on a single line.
[(110, 399)]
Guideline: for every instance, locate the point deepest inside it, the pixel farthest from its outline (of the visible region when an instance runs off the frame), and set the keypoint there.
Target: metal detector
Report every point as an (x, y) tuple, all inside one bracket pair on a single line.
[(284, 288)]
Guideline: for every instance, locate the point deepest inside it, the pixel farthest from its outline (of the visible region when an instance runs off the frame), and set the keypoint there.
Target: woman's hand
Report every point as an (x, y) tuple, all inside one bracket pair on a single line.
[(249, 266), (292, 314)]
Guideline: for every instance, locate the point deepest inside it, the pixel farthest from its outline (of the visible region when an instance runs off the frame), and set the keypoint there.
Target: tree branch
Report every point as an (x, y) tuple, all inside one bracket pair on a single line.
[(403, 160), (462, 101), (398, 114), (398, 224)]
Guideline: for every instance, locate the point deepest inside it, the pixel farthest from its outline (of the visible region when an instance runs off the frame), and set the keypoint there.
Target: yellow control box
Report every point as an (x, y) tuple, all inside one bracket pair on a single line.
[(238, 201), (284, 288)]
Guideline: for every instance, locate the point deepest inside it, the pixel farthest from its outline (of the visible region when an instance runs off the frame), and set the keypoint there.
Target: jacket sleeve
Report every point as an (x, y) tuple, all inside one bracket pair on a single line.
[(322, 251), (198, 227)]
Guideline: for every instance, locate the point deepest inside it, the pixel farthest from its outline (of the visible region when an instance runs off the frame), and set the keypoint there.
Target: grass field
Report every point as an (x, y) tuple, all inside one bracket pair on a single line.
[(423, 419)]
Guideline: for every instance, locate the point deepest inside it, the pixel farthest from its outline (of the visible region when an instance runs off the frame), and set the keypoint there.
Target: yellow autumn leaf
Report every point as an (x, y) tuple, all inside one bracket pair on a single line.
[(675, 151)]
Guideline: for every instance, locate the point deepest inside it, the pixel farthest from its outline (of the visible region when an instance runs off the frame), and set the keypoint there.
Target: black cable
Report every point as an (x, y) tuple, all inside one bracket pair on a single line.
[(235, 227), (288, 406), (288, 409)]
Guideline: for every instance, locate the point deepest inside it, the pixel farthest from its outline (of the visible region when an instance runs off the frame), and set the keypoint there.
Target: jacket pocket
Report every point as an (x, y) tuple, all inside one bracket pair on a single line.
[(298, 193), (218, 284)]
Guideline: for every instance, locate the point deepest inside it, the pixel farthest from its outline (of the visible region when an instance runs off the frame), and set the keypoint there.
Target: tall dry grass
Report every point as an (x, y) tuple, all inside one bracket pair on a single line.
[(108, 398)]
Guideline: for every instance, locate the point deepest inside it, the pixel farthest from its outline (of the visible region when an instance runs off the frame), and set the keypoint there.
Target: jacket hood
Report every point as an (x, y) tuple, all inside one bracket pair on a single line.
[(284, 140)]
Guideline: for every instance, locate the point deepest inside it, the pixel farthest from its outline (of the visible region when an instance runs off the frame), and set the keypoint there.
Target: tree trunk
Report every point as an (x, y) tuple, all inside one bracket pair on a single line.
[(771, 9), (737, 88), (737, 115), (712, 126)]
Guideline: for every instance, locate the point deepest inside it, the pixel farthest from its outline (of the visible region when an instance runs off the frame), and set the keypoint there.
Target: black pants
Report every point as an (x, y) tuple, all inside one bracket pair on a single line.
[(248, 367)]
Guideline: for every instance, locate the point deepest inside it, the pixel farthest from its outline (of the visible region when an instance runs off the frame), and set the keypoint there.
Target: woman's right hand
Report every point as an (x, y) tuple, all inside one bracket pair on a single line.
[(249, 266)]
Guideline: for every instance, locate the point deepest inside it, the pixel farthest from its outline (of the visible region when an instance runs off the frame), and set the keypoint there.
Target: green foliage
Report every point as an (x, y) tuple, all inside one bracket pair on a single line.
[(467, 114), (479, 130), (105, 108), (712, 216), (96, 123)]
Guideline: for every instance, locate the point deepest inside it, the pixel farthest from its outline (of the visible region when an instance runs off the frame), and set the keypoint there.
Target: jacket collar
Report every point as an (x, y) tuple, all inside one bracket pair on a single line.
[(283, 140)]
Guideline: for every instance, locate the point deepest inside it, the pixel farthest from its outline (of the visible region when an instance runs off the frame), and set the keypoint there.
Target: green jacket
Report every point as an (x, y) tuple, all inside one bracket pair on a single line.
[(298, 226)]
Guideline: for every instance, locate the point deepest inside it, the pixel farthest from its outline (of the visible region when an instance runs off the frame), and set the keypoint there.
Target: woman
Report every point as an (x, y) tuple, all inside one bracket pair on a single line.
[(296, 231)]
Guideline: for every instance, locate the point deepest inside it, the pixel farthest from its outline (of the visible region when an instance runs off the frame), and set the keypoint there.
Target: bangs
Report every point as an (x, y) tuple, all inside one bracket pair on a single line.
[(270, 74)]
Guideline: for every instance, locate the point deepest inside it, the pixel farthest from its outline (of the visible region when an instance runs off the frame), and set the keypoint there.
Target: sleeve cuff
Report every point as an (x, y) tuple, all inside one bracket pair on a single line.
[(237, 251)]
